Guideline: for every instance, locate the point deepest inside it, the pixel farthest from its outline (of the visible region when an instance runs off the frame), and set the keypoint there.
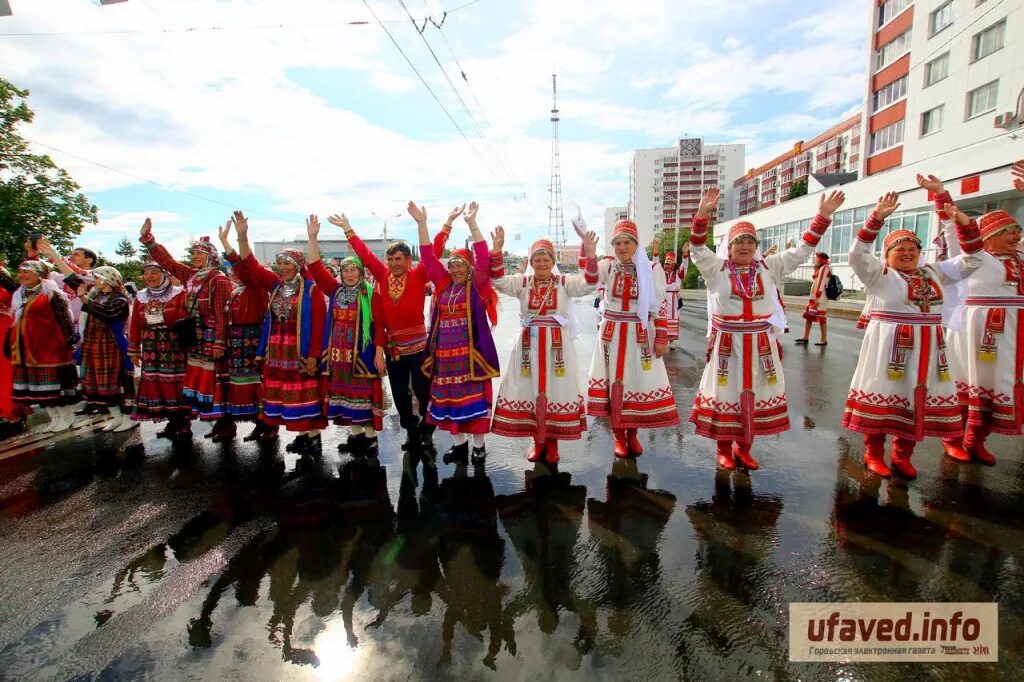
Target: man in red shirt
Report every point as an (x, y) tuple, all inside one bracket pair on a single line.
[(402, 287)]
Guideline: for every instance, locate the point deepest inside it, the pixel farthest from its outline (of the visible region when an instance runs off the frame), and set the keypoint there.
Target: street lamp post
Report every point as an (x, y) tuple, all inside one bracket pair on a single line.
[(386, 221)]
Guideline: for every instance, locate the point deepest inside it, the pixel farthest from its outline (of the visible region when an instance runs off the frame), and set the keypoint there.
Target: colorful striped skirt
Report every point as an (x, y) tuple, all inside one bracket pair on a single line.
[(46, 385), (244, 376), (205, 380), (458, 404), (105, 379), (290, 398), (163, 375)]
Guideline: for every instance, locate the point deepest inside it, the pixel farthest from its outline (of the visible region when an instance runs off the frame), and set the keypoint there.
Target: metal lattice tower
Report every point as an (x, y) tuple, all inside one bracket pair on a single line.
[(556, 220)]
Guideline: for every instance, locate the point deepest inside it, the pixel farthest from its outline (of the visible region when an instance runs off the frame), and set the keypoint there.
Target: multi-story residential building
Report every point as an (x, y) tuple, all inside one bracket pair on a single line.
[(666, 183), (945, 96), (837, 150)]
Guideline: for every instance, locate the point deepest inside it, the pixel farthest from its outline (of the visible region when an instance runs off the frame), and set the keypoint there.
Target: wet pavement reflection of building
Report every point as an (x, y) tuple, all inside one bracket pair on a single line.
[(123, 557)]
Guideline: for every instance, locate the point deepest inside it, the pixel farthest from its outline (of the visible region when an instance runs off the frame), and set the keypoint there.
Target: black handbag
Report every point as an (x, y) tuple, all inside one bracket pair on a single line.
[(186, 329)]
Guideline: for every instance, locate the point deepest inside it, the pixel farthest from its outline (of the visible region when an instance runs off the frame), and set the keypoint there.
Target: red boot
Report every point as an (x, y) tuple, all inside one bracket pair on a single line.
[(741, 453), (954, 449), (725, 460), (551, 451), (621, 446), (536, 452), (635, 449), (902, 449), (974, 444), (874, 455)]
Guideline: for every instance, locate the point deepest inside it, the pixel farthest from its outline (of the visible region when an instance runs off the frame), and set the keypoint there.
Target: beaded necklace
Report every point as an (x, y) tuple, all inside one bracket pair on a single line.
[(740, 286)]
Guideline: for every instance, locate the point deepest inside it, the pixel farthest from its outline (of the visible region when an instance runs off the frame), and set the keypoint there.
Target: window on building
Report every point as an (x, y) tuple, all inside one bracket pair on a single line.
[(982, 100), (936, 70), (889, 9), (931, 120), (940, 18), (887, 137), (890, 93), (988, 41), (892, 50)]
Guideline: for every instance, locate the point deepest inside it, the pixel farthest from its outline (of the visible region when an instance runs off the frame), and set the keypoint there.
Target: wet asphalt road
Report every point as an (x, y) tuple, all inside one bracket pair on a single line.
[(122, 556)]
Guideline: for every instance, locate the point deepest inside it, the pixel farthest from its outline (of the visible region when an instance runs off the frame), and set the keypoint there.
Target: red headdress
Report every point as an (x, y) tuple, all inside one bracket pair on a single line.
[(994, 222), (626, 228), (897, 236), (742, 229)]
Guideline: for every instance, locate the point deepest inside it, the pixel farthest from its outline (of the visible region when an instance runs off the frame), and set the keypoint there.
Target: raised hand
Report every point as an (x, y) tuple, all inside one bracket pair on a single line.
[(655, 247), (930, 183), (470, 216), (146, 229), (418, 213), (590, 240), (686, 249), (830, 203), (312, 226), (498, 240), (339, 220), (956, 215), (223, 232), (1017, 171), (887, 203), (44, 247), (453, 214), (709, 202), (241, 224)]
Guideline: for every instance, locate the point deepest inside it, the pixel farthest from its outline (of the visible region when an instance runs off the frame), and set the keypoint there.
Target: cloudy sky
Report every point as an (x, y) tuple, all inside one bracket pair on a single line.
[(183, 109)]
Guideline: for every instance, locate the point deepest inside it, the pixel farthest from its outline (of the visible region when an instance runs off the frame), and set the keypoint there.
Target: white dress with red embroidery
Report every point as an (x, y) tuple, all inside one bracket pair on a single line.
[(902, 385), (742, 393), (541, 392), (670, 304), (627, 383), (817, 306), (986, 356)]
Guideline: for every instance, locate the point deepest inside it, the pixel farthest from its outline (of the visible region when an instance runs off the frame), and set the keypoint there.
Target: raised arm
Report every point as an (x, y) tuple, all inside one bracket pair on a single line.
[(585, 282), (789, 260), (230, 255), (248, 268), (428, 259), (968, 239), (370, 260), (481, 254), (325, 281), (863, 260), (704, 258), (160, 255), (509, 285), (441, 238), (46, 248)]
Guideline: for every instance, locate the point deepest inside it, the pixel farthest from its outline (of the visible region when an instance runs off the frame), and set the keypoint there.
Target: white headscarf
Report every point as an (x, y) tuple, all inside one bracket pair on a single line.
[(49, 289)]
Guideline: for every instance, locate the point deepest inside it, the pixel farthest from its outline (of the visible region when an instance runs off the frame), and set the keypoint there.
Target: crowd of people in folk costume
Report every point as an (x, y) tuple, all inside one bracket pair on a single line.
[(307, 344)]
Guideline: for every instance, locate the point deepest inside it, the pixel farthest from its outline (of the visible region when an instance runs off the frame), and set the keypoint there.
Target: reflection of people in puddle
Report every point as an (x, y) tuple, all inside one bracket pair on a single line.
[(880, 550), (310, 564), (628, 525), (736, 533), (472, 554), (543, 523), (410, 564)]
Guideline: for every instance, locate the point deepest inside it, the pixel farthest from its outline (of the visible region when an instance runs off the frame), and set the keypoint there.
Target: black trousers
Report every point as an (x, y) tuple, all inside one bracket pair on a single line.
[(402, 372)]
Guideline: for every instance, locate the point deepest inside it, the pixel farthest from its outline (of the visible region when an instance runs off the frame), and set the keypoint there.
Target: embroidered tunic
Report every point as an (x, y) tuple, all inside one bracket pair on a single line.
[(152, 339), (742, 392), (902, 384), (817, 307), (627, 383), (206, 296), (986, 356), (541, 393), (40, 342), (292, 330), (670, 304), (354, 391), (246, 308), (461, 357)]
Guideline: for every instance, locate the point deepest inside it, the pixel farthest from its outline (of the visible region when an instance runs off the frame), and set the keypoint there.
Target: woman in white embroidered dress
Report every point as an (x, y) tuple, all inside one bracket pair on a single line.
[(541, 393), (628, 381), (674, 276), (742, 392), (902, 384), (986, 352)]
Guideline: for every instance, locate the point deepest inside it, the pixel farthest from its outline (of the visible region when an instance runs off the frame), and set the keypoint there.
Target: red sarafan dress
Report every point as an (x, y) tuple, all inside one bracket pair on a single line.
[(8, 408), (40, 342), (151, 337)]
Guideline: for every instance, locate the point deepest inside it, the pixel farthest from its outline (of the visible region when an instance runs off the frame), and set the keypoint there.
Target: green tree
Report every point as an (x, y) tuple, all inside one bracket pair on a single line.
[(797, 189), (36, 195), (125, 249)]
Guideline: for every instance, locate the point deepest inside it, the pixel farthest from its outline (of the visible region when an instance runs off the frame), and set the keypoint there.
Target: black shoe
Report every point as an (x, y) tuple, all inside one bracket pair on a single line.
[(457, 453), (355, 445), (299, 444), (479, 455), (800, 342), (168, 431), (370, 445), (313, 445), (255, 433)]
